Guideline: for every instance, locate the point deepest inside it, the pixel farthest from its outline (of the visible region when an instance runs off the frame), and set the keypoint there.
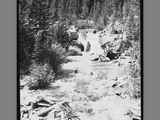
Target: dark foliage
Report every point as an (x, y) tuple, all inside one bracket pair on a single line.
[(42, 76), (111, 55), (25, 47)]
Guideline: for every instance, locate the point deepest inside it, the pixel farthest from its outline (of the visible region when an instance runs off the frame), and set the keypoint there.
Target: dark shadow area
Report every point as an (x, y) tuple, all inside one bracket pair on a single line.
[(67, 60), (51, 87), (65, 74), (74, 53)]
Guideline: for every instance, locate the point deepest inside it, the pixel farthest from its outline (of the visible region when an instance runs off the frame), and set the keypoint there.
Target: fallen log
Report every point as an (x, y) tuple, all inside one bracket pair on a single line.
[(45, 112)]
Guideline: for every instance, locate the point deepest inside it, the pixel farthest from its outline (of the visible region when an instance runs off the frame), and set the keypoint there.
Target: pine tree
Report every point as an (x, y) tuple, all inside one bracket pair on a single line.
[(40, 14), (25, 37), (40, 17)]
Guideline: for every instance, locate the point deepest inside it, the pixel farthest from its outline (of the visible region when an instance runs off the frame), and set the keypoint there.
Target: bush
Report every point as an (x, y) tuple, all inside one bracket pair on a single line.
[(47, 60), (56, 57), (48, 50), (42, 76), (43, 73)]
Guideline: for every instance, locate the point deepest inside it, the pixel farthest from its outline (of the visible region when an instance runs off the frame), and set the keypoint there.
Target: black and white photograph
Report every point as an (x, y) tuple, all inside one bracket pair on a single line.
[(80, 59)]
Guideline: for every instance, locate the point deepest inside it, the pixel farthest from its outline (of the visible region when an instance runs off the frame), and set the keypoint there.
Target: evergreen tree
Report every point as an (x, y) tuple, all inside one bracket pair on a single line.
[(40, 18)]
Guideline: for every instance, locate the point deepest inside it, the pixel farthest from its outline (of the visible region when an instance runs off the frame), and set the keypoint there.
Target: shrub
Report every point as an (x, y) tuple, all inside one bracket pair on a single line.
[(42, 76), (47, 60), (48, 50), (56, 57)]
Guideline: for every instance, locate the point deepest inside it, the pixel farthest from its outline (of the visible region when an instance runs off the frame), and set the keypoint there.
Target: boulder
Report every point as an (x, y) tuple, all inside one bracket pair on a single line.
[(111, 55)]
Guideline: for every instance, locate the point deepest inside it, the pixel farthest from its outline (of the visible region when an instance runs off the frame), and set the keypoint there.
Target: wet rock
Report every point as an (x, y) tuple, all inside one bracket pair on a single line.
[(94, 31), (111, 55), (114, 85), (118, 94), (135, 119), (76, 71), (91, 73)]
